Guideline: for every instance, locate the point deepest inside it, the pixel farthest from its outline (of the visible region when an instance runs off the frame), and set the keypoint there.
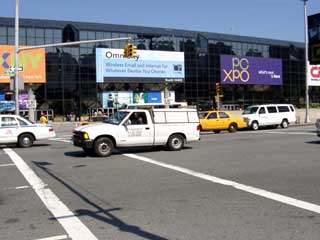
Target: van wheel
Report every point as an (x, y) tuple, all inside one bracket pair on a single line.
[(103, 147), (284, 123), (232, 128), (25, 140), (216, 131), (175, 142), (255, 126)]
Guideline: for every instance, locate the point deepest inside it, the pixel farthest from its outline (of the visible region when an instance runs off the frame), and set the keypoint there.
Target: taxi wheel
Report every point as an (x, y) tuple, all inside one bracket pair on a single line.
[(25, 140), (232, 128), (216, 131), (103, 147), (175, 142)]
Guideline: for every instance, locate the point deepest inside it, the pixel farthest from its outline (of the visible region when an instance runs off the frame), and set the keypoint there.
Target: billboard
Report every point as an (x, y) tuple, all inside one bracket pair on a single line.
[(119, 99), (313, 75), (314, 38), (250, 70), (32, 61), (147, 66)]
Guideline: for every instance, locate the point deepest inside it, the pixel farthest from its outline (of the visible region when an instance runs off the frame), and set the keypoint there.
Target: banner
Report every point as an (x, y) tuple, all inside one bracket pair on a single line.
[(250, 70), (32, 63), (313, 75), (147, 66)]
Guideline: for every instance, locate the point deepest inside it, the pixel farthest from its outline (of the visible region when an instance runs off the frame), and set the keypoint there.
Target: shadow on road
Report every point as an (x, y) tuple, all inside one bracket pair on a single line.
[(100, 214), (314, 142)]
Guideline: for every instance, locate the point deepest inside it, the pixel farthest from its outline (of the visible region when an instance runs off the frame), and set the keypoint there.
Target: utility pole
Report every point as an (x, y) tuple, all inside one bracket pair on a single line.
[(306, 120), (16, 62)]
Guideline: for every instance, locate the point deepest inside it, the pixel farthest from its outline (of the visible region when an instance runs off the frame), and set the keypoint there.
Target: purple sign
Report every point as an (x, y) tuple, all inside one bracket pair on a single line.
[(23, 97), (250, 70)]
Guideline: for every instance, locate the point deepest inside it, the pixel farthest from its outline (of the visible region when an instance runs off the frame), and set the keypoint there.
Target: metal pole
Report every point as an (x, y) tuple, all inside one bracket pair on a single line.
[(16, 64), (306, 120)]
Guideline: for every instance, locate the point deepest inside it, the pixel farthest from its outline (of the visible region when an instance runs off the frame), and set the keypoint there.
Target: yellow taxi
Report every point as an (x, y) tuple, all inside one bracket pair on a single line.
[(220, 120)]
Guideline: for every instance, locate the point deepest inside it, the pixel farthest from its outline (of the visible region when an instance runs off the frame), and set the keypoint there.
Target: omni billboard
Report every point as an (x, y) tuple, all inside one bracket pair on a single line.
[(313, 75), (250, 70), (146, 67)]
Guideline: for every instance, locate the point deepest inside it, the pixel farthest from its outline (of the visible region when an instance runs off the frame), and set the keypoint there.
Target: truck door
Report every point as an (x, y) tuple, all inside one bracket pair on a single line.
[(137, 131)]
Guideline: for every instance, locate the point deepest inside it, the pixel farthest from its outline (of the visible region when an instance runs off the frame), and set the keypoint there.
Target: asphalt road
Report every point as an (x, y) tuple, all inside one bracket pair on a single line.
[(247, 185)]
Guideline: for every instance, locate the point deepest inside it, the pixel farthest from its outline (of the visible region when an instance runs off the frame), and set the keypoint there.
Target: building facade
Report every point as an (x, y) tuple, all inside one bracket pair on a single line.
[(71, 74)]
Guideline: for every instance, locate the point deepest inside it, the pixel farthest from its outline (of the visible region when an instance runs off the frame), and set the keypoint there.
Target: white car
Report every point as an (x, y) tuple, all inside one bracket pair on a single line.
[(16, 129)]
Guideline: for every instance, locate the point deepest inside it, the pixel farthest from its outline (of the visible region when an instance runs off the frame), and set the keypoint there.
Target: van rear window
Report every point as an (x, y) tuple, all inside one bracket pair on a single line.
[(283, 109)]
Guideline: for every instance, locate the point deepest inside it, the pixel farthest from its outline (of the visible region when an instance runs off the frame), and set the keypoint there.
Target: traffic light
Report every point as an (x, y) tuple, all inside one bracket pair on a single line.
[(125, 53), (218, 88), (130, 50)]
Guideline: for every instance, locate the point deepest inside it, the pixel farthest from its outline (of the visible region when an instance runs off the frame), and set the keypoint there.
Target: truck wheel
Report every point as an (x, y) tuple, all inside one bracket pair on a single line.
[(175, 142), (284, 123), (255, 126), (232, 128), (103, 147), (25, 140)]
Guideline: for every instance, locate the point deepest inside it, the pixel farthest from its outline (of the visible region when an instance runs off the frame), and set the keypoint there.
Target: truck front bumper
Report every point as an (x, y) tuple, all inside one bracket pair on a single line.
[(78, 141)]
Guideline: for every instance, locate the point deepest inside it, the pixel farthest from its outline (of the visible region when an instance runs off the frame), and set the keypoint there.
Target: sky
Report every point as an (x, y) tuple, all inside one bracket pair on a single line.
[(274, 19)]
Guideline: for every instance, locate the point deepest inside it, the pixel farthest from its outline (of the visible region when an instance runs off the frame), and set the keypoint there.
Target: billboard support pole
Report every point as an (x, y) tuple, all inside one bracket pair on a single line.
[(16, 64), (306, 120)]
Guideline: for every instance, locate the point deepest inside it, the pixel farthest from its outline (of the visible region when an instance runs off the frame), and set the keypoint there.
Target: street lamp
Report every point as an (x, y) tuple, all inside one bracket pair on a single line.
[(306, 120)]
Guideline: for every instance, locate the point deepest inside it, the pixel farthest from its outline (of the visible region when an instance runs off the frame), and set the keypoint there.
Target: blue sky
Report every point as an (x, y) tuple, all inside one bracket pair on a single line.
[(276, 19)]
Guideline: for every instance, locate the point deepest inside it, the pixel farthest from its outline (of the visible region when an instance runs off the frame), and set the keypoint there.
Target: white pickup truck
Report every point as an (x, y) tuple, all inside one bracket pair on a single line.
[(136, 127)]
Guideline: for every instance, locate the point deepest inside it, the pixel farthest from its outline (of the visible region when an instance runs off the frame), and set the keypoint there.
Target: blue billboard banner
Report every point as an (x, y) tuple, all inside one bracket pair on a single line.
[(154, 97), (2, 96), (250, 70), (7, 106), (147, 66)]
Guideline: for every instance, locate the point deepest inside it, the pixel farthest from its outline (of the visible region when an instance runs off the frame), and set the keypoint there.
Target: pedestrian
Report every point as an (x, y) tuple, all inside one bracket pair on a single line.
[(43, 118)]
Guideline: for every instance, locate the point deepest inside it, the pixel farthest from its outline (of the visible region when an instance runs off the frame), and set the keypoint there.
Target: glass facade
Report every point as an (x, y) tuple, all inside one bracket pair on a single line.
[(71, 75)]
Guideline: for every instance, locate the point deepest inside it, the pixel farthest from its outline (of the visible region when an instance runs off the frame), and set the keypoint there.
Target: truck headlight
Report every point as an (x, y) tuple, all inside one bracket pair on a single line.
[(85, 136)]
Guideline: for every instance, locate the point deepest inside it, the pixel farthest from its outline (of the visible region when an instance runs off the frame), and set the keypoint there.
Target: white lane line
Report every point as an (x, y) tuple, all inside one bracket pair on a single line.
[(60, 140), (72, 224), (295, 133), (61, 237), (16, 188), (260, 192), (7, 165)]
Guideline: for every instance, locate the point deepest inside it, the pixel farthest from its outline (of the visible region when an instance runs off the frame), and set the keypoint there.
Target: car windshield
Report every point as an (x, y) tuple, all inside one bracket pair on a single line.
[(116, 118), (250, 110), (26, 120), (203, 115)]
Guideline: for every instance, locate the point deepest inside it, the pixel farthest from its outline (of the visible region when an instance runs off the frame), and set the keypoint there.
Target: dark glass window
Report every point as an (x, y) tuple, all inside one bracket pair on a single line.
[(223, 115), (213, 115), (272, 109), (283, 109), (262, 110), (3, 31)]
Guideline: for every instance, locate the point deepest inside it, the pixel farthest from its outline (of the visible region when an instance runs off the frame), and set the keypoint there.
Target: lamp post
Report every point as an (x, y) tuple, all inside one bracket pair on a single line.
[(306, 120), (16, 63)]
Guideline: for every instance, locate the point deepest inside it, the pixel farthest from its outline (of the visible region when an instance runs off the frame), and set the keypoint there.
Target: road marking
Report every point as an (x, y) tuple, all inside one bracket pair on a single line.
[(61, 237), (292, 133), (72, 224), (16, 188), (257, 191), (61, 140), (7, 165)]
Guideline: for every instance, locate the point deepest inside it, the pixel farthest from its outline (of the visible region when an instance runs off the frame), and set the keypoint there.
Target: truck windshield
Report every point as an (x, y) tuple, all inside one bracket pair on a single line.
[(250, 110), (116, 118)]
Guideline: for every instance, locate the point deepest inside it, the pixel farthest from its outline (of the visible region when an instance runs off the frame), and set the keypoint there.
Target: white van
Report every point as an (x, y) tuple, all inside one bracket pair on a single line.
[(269, 115)]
